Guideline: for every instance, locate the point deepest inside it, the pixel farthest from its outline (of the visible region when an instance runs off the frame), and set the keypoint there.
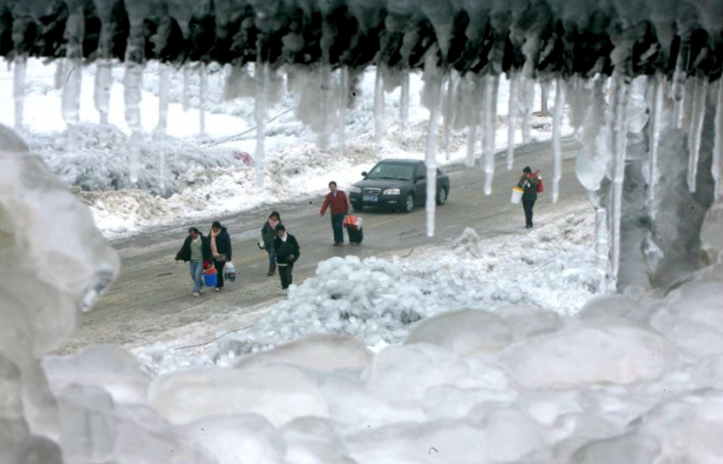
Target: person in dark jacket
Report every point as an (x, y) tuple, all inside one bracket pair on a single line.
[(197, 251), (220, 242), (338, 202), (528, 183), (268, 234), (287, 253)]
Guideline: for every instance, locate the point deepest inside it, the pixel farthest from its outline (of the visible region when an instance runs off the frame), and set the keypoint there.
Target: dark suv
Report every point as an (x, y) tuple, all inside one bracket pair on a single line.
[(397, 184)]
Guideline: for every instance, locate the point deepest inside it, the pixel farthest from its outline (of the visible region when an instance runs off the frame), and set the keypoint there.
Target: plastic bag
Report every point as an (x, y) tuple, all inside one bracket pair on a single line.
[(229, 272)]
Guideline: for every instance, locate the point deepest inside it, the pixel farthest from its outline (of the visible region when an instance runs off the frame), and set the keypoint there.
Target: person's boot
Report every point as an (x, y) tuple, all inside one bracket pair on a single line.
[(272, 269)]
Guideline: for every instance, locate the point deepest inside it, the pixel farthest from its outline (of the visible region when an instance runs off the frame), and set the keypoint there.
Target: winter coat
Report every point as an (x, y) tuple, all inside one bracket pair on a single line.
[(287, 252), (268, 234), (184, 254), (339, 203), (529, 186), (223, 243)]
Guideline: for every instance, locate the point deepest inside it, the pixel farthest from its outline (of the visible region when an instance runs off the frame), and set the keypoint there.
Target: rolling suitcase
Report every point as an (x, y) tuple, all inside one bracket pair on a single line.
[(356, 235)]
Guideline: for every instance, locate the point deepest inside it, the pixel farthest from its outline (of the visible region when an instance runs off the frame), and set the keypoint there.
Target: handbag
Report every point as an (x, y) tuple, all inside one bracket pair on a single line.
[(221, 258), (540, 186)]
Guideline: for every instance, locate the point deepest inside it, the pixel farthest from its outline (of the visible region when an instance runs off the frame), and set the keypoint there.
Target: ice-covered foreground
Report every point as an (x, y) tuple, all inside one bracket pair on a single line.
[(632, 379), (190, 172)]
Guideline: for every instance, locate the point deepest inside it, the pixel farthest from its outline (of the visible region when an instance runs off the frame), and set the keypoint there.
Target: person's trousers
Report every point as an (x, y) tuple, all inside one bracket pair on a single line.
[(219, 269), (337, 225), (197, 275), (285, 275), (528, 205), (272, 256)]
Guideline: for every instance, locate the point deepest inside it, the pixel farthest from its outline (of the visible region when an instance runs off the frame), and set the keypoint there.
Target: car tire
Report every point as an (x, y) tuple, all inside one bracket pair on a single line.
[(441, 196), (357, 207), (409, 203)]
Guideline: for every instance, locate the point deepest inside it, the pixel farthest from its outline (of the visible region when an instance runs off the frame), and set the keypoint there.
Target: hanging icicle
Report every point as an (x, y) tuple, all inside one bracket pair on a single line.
[(261, 75), (101, 94), (654, 137), (163, 90), (186, 92), (435, 79), (75, 32), (620, 93), (449, 114), (696, 129), (132, 97), (20, 63), (59, 77), (378, 110), (343, 103), (512, 118), (490, 129), (203, 82), (718, 143), (528, 96), (404, 101), (679, 80), (556, 133)]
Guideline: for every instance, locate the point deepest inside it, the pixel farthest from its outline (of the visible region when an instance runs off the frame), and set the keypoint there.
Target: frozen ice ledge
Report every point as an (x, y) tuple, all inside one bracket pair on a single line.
[(563, 37)]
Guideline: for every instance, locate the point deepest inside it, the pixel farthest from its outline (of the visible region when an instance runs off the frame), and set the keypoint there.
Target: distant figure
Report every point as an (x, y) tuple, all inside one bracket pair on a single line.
[(245, 157), (339, 203), (528, 183), (268, 234), (220, 242), (287, 253), (196, 250)]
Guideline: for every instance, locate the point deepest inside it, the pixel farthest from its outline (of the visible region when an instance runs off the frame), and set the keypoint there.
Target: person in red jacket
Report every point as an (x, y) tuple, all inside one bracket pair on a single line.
[(337, 201)]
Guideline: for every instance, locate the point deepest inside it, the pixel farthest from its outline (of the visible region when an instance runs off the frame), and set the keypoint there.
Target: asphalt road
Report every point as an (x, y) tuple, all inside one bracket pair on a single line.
[(152, 293)]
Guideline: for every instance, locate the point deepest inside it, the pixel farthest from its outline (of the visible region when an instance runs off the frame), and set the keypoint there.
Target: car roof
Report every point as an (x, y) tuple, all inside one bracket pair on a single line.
[(401, 161)]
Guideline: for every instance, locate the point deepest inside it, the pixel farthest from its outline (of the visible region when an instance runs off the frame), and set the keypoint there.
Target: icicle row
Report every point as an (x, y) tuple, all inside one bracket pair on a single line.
[(655, 111), (20, 62), (512, 119), (718, 143), (556, 133), (696, 129)]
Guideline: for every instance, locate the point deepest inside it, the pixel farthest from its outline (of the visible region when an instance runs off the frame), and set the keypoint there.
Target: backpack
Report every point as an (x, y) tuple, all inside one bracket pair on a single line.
[(540, 187)]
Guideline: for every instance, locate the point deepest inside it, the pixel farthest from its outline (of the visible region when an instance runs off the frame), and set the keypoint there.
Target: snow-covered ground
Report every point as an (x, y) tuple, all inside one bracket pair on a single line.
[(192, 175)]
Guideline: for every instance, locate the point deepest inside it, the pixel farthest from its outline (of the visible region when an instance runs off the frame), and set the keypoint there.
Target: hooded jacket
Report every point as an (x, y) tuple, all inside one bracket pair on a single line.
[(184, 254), (223, 243), (287, 252)]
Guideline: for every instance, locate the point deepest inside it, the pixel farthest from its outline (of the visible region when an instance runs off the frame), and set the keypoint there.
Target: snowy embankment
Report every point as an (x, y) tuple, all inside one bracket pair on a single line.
[(191, 174)]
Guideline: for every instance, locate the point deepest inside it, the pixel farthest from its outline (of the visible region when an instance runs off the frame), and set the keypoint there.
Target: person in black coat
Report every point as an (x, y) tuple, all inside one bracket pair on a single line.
[(287, 253), (220, 242), (196, 250), (268, 234), (528, 183)]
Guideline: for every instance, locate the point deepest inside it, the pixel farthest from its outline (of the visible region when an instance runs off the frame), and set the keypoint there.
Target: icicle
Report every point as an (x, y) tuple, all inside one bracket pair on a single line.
[(471, 141), (718, 144), (101, 95), (324, 106), (656, 108), (528, 95), (602, 247), (343, 102), (436, 80), (556, 133), (512, 119), (71, 100), (679, 80), (490, 129), (203, 77), (20, 62), (449, 112), (59, 77), (186, 91), (261, 74), (404, 101), (132, 97), (619, 147), (163, 87), (696, 129), (378, 110)]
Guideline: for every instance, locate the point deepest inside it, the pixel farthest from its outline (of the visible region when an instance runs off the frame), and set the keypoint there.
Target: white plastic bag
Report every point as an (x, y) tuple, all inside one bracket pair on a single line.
[(229, 272)]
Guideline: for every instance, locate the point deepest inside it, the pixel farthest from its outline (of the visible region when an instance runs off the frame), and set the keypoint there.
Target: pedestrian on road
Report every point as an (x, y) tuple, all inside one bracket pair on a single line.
[(220, 242), (528, 183), (287, 253), (338, 202), (197, 251), (268, 234)]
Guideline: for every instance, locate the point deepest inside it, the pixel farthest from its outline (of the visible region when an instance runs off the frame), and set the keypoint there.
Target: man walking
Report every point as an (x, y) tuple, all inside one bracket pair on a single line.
[(196, 250), (287, 253), (528, 183), (337, 201)]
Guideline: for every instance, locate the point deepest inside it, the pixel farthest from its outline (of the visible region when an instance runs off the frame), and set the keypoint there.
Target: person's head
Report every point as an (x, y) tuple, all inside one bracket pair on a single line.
[(275, 216), (527, 170), (280, 230), (216, 226), (194, 233), (332, 186)]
